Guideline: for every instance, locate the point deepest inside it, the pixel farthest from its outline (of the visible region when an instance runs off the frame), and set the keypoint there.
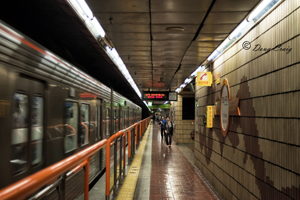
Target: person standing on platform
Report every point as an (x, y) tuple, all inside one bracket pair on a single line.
[(162, 126), (168, 132)]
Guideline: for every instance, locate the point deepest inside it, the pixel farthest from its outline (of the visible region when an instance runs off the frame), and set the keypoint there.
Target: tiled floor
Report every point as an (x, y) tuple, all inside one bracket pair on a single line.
[(172, 175)]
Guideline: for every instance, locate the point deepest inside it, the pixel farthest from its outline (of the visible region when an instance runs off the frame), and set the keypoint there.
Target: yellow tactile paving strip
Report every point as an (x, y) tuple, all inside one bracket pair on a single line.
[(129, 185)]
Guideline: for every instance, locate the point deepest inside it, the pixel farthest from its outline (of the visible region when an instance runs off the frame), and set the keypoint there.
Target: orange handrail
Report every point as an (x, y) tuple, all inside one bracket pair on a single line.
[(29, 185)]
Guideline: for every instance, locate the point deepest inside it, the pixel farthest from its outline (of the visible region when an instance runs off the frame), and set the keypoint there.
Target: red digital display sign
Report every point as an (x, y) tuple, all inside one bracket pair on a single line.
[(162, 96)]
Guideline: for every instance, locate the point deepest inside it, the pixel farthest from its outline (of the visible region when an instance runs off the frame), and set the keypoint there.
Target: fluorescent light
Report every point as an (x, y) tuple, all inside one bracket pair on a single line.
[(166, 102), (178, 90), (145, 103), (114, 54), (238, 29), (213, 55), (97, 27), (182, 85), (187, 80), (258, 9), (224, 43), (85, 8), (196, 71)]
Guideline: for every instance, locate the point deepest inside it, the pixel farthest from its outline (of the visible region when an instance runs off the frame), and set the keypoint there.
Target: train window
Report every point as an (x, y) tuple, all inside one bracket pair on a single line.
[(84, 124), (71, 127), (37, 130), (19, 133)]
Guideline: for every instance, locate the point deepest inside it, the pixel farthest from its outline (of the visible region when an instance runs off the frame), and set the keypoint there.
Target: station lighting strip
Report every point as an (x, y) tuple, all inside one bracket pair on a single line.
[(258, 13), (91, 22)]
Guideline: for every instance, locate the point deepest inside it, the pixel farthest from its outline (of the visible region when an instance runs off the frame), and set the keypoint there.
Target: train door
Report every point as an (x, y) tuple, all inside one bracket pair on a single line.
[(98, 112), (28, 127)]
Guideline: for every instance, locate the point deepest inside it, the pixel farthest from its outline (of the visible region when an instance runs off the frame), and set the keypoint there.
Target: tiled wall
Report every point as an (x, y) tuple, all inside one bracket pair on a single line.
[(183, 128), (260, 156)]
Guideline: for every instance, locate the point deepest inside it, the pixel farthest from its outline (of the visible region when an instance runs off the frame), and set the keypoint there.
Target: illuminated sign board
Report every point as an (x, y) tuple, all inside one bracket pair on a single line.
[(209, 115), (204, 79), (160, 96)]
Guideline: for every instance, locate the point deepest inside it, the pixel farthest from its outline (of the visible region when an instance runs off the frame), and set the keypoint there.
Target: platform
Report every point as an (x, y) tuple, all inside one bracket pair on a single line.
[(165, 173)]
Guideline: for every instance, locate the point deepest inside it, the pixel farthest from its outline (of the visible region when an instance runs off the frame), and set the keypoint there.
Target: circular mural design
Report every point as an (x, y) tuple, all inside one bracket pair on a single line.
[(225, 97)]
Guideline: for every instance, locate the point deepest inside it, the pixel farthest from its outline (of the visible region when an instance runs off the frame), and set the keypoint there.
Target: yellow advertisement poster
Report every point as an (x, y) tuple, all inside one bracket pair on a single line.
[(210, 110), (218, 78), (204, 79)]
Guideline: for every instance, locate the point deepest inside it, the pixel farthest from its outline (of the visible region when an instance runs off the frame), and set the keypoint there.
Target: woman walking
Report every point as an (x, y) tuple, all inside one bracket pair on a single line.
[(168, 131)]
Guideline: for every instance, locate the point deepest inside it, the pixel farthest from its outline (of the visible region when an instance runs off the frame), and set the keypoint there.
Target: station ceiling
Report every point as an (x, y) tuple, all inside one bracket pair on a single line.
[(157, 58), (160, 59)]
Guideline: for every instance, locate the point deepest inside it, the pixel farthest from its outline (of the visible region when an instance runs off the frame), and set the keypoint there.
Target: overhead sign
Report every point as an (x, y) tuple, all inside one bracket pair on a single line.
[(160, 96), (162, 106), (172, 96), (209, 123), (204, 79)]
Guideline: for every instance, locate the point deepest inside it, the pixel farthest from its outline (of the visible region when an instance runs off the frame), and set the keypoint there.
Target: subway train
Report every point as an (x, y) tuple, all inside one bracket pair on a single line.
[(50, 110)]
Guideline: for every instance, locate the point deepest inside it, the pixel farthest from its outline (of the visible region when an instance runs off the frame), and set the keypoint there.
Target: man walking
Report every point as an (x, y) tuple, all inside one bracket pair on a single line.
[(168, 131), (162, 126)]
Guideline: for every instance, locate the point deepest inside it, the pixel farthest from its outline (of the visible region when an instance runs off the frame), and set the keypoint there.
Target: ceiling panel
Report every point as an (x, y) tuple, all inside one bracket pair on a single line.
[(129, 36), (122, 18), (211, 44), (193, 51), (234, 5), (167, 53), (220, 28), (135, 58), (211, 37), (177, 18), (225, 17), (119, 6), (174, 43), (128, 54), (180, 6), (125, 28), (172, 36), (158, 49), (118, 42), (121, 48)]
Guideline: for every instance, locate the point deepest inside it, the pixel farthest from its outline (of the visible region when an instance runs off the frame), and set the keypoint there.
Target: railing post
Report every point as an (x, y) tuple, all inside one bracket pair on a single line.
[(140, 130), (86, 179), (121, 159), (124, 154), (107, 186), (115, 166), (62, 187), (129, 146)]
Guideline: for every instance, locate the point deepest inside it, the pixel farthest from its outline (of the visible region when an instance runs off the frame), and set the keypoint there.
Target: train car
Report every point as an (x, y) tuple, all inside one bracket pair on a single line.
[(49, 110)]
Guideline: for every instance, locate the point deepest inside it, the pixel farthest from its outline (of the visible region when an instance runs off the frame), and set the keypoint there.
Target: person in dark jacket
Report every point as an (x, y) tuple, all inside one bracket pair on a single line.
[(162, 126), (168, 132)]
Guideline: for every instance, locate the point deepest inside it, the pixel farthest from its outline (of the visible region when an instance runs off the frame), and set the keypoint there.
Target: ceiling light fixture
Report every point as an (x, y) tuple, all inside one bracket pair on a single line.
[(98, 28), (238, 30), (178, 90), (258, 9)]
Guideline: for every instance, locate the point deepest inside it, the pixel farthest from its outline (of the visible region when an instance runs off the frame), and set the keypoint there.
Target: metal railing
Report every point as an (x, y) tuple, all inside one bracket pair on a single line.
[(69, 166)]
